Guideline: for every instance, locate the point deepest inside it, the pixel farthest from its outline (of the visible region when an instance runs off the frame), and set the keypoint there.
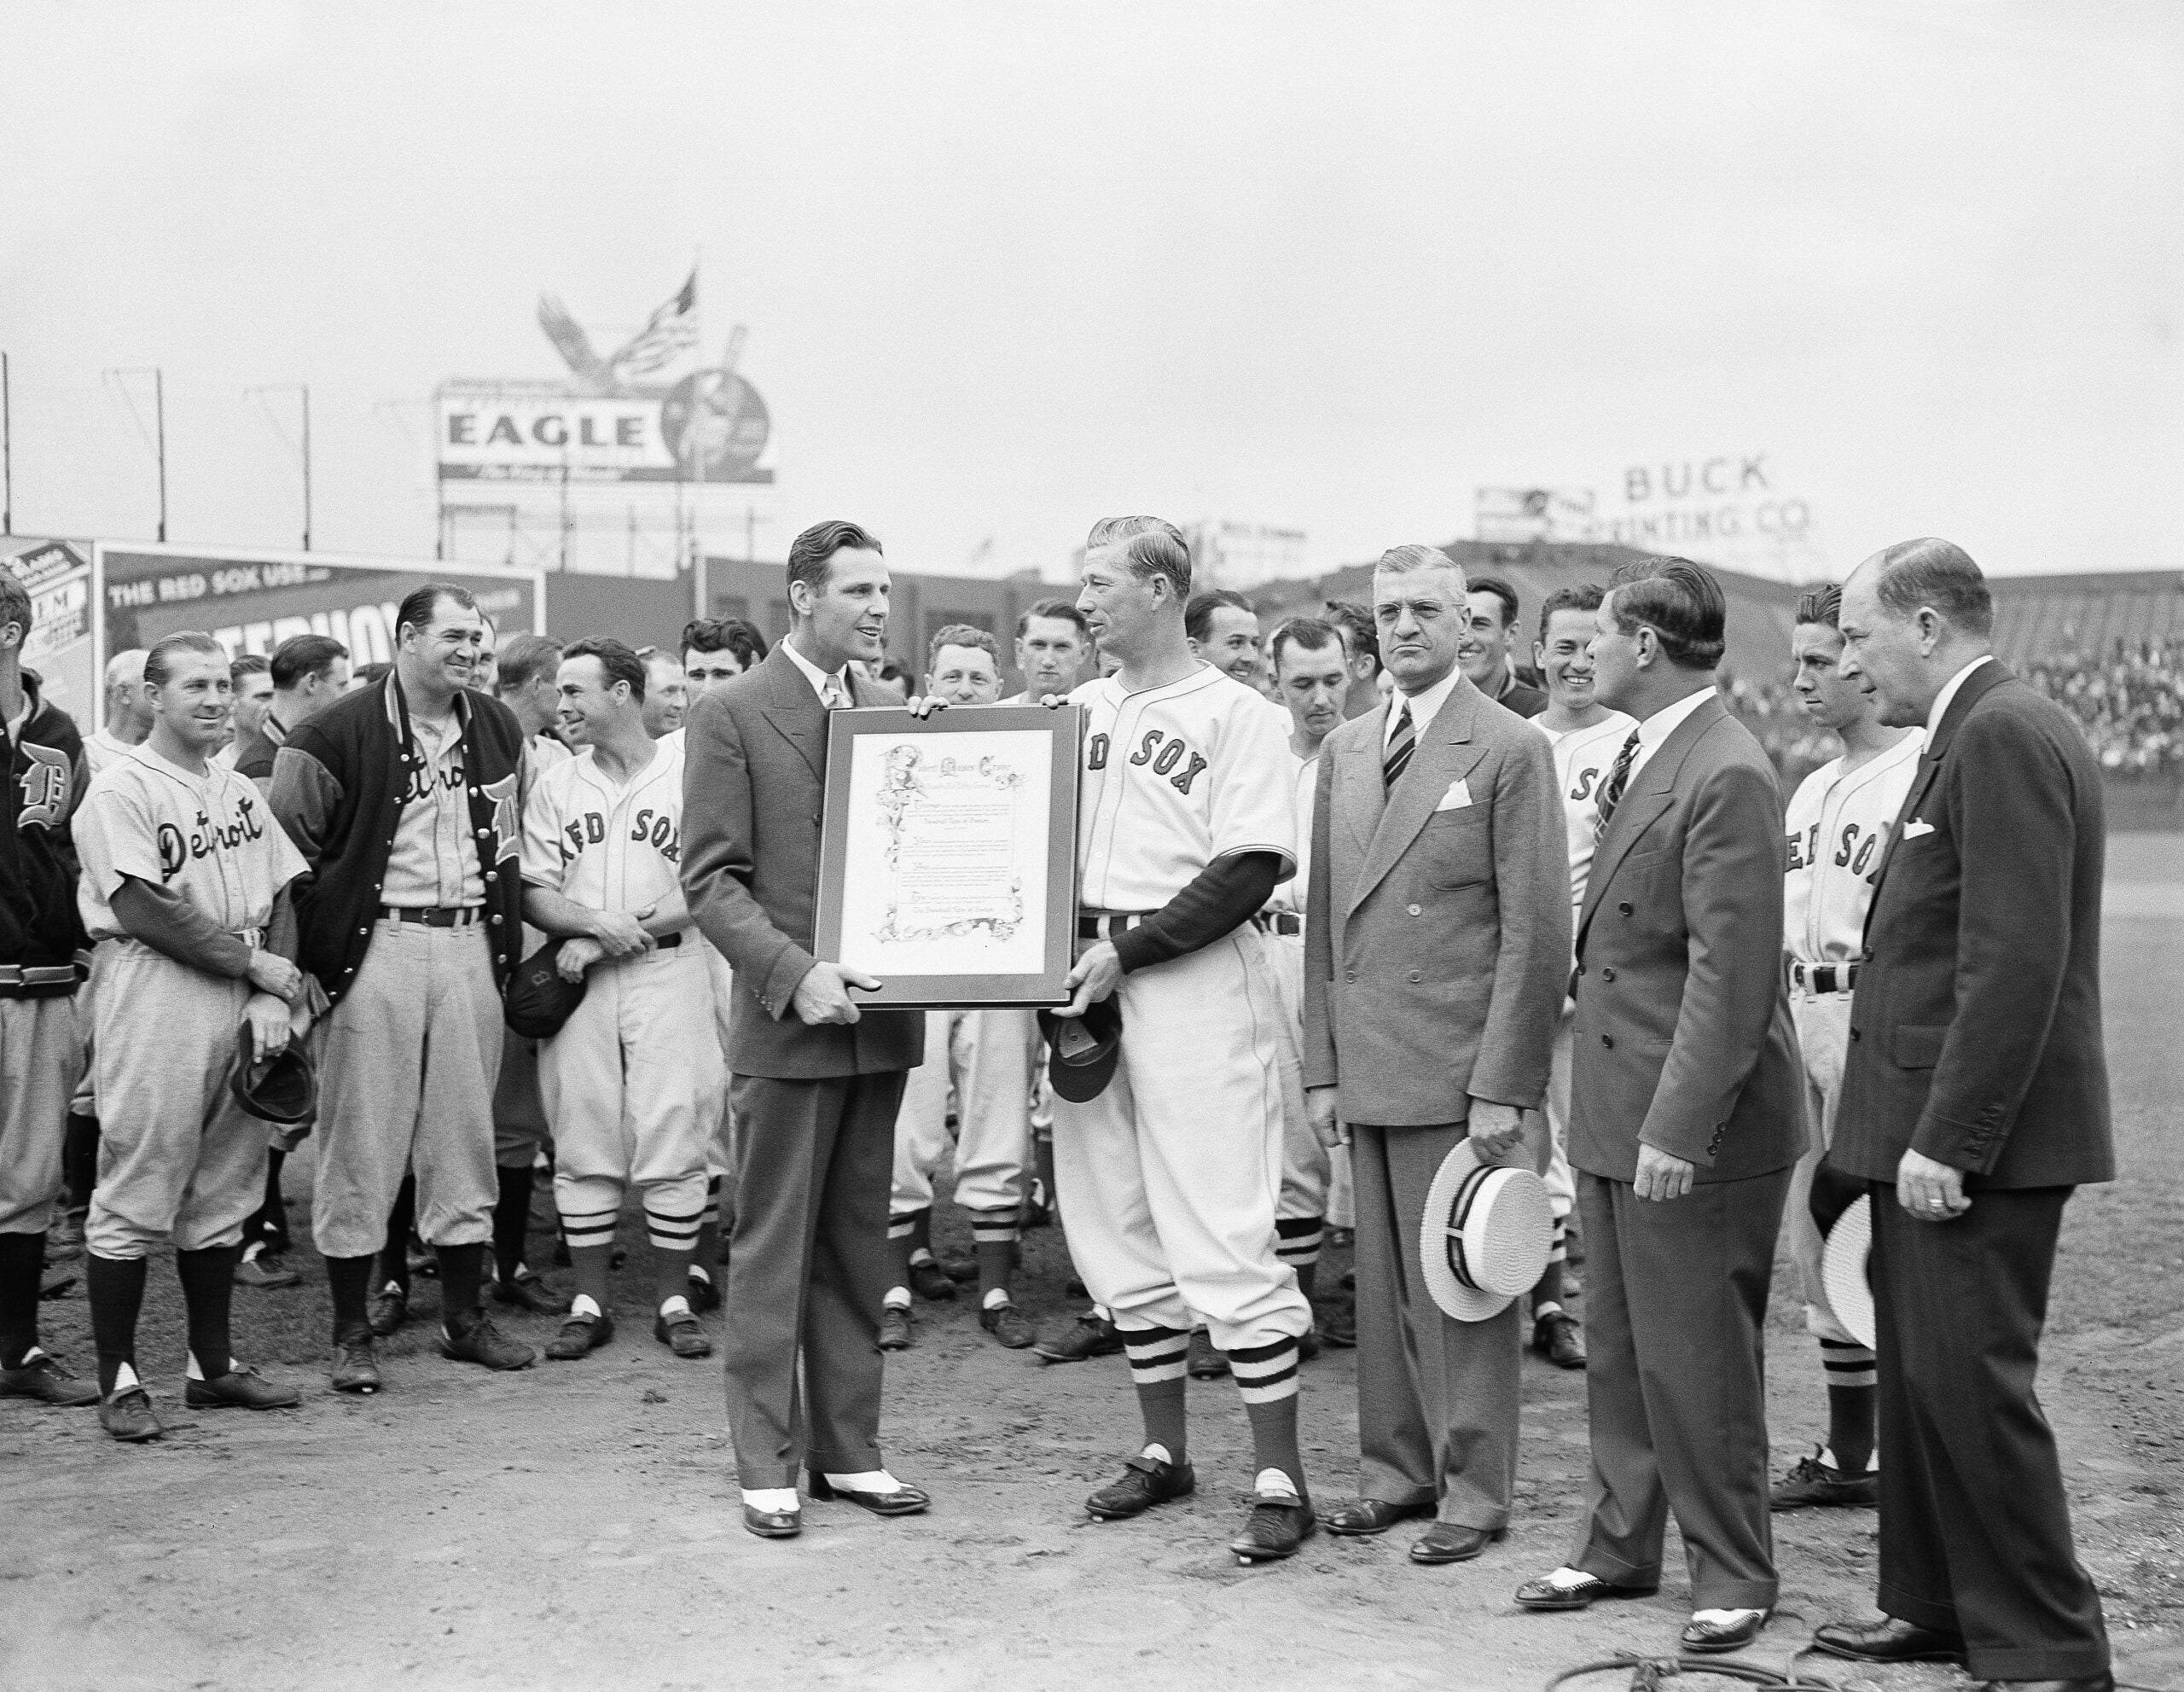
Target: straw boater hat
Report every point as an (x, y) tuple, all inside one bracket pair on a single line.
[(1484, 1236), (1843, 1270)]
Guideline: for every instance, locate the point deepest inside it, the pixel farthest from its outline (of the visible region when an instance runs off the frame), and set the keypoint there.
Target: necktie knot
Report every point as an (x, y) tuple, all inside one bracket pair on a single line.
[(833, 698)]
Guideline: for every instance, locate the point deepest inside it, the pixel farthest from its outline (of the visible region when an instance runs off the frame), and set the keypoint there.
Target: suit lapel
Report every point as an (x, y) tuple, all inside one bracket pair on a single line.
[(794, 710), (1446, 755), (1651, 792), (1977, 685), (1363, 796)]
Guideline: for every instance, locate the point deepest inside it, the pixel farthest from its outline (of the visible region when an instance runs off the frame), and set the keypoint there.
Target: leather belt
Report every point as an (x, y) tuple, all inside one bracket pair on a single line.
[(1105, 925), (1278, 923), (668, 942), (1824, 978), (435, 916)]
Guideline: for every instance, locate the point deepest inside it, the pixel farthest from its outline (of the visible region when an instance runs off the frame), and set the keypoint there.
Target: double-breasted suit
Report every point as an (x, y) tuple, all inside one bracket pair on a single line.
[(1976, 1039), (1681, 1040), (1437, 944), (815, 1104)]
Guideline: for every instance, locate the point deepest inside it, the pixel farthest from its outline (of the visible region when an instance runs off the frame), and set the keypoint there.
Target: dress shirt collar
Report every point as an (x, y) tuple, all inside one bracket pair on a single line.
[(1424, 706), (819, 678), (1948, 694), (1666, 721)]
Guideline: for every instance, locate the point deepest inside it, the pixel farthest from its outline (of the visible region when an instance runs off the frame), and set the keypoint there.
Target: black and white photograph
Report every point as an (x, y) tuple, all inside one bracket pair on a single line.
[(977, 847)]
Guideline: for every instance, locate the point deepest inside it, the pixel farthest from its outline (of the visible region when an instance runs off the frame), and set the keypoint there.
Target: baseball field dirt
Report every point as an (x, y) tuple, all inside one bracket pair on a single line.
[(575, 1526)]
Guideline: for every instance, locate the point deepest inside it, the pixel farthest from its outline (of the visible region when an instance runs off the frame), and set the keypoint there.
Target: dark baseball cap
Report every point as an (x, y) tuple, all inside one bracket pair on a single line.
[(1083, 1050), (538, 1001), (282, 1089)]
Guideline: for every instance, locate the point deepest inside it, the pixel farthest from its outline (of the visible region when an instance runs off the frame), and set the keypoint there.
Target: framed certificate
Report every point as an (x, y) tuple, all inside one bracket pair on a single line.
[(948, 853)]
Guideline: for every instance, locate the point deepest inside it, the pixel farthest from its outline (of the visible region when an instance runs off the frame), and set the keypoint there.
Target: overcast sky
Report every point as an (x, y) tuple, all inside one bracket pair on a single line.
[(1008, 268)]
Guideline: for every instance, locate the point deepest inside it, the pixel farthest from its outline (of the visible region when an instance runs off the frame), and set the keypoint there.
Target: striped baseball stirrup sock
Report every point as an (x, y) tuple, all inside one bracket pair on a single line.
[(1157, 1357), (1852, 1397), (1297, 1240), (672, 1231), (994, 1234), (709, 1216), (1557, 1246), (1266, 1379)]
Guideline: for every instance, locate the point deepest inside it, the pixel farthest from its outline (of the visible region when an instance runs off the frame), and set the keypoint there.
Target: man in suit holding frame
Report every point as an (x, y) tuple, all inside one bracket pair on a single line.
[(817, 1081), (1686, 1120), (1436, 942), (1974, 1100)]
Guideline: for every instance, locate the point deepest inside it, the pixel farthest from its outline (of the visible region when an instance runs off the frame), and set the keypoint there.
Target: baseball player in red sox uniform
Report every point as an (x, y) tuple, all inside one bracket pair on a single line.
[(1837, 826), (1168, 1178), (41, 1047), (633, 1081), (1586, 735), (985, 1056), (184, 889)]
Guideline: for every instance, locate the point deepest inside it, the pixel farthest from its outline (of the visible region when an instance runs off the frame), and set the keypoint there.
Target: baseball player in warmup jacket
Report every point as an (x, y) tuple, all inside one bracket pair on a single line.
[(41, 1050), (1168, 1178), (184, 887), (1586, 736), (407, 798), (633, 1081), (986, 1055), (1837, 825)]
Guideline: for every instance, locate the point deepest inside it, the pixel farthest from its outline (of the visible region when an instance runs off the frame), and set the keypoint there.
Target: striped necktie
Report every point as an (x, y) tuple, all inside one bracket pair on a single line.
[(1618, 779), (1401, 745), (833, 698)]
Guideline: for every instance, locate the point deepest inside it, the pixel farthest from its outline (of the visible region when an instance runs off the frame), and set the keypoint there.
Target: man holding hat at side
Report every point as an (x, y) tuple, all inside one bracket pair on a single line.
[(1437, 944)]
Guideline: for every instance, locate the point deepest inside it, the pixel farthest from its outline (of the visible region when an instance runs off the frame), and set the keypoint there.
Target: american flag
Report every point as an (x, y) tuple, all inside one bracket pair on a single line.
[(671, 332)]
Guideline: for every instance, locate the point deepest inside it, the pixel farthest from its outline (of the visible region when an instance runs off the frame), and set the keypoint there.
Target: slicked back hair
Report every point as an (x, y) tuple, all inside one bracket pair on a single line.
[(620, 664), (302, 655), (1399, 559), (1111, 531), (1586, 597), (1502, 591), (1939, 573), (1313, 634), (416, 611), (1155, 552), (725, 634), (1680, 601), (963, 634), (1061, 611), (158, 662), (523, 660), (1198, 615), (248, 664), (1822, 604), (811, 552)]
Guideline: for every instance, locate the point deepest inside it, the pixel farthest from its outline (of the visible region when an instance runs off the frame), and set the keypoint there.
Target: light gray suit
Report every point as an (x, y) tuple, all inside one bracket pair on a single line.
[(1437, 944)]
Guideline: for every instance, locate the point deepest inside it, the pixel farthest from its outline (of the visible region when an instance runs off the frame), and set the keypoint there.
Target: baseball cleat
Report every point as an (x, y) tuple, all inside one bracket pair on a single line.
[(931, 1283), (356, 1363), (1089, 1336), (1146, 1481), (895, 1329), (476, 1340), (1277, 1524), (1009, 1325), (681, 1334), (389, 1308), (266, 1271), (44, 1377), (239, 1389), (1812, 1484), (1557, 1337), (580, 1336), (127, 1415), (705, 1292), (527, 1291), (1206, 1363)]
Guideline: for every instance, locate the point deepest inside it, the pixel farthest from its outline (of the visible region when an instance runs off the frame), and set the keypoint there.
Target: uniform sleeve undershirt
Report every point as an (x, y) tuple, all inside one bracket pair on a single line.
[(1219, 900), (172, 925)]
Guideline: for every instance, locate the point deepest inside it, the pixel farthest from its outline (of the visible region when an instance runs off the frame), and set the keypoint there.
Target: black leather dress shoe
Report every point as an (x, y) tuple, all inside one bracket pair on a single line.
[(1363, 1517), (1890, 1640), (1543, 1594), (2103, 1681), (1146, 1481), (1557, 1337), (902, 1500), (1274, 1529), (1445, 1542), (774, 1524), (1713, 1637)]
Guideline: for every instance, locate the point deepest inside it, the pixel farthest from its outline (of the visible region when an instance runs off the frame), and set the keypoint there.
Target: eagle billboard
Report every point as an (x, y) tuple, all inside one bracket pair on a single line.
[(624, 416)]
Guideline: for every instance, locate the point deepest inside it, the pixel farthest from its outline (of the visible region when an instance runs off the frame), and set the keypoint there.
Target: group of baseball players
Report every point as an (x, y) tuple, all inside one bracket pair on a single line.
[(253, 855)]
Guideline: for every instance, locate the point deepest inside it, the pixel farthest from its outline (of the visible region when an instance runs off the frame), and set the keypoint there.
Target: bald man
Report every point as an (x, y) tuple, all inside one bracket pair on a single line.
[(128, 712)]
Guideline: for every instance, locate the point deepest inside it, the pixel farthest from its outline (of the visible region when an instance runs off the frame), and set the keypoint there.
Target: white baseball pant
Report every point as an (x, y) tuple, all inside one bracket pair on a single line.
[(1823, 1025), (988, 1055), (1169, 1179)]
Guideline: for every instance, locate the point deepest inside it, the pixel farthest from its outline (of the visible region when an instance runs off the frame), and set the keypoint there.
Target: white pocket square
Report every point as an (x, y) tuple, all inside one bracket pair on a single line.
[(1914, 827), (1457, 797)]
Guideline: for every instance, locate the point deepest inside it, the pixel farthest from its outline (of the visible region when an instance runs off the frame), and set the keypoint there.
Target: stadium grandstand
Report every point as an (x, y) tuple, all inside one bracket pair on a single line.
[(2109, 647)]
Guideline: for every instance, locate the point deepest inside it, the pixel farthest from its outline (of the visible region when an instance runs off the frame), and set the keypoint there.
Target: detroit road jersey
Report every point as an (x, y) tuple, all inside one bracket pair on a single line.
[(1168, 1179)]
